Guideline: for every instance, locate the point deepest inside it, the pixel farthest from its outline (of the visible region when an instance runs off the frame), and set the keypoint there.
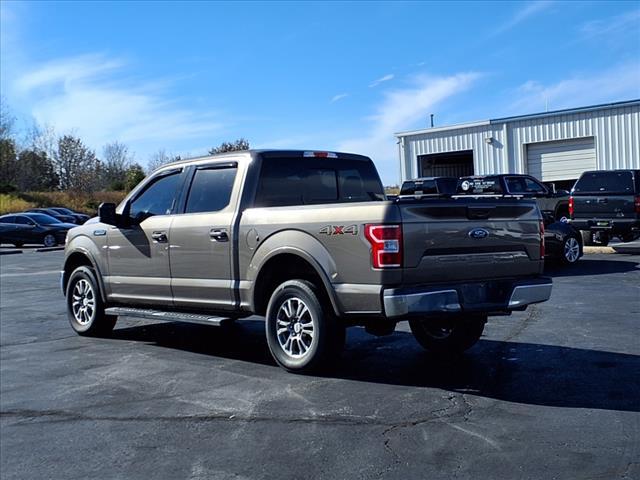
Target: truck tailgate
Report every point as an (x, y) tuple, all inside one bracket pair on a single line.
[(454, 239)]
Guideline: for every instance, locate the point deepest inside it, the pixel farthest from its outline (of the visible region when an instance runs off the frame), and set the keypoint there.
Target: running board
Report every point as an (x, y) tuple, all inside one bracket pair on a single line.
[(168, 316)]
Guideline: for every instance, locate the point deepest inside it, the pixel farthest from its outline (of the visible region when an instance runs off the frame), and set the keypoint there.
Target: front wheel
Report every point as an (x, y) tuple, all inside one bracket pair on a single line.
[(302, 334), (85, 308), (449, 336), (570, 250)]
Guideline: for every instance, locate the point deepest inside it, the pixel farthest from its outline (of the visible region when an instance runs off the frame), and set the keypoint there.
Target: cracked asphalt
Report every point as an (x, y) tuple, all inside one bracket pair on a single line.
[(553, 392)]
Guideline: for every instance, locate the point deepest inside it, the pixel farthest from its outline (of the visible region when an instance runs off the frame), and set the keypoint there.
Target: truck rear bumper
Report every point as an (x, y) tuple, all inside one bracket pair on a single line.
[(499, 296), (613, 225)]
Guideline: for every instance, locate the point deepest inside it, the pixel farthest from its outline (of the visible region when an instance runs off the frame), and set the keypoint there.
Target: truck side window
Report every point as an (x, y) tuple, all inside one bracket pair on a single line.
[(156, 199), (210, 189)]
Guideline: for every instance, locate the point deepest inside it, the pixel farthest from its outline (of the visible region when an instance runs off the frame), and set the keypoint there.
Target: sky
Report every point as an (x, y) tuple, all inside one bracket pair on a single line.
[(185, 76)]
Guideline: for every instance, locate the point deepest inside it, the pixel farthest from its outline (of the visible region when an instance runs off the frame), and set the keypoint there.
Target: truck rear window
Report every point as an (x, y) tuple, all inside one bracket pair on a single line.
[(604, 182), (479, 186), (308, 181)]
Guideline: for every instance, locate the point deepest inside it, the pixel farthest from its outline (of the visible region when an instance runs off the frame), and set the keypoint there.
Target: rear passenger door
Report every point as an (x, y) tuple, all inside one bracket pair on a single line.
[(201, 248)]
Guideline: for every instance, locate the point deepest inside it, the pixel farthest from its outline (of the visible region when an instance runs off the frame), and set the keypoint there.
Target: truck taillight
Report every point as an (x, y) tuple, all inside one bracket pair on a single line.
[(541, 239), (636, 203), (571, 207), (386, 245)]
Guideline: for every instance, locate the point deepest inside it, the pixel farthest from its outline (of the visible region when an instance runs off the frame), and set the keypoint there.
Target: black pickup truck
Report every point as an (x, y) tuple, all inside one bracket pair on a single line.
[(606, 203)]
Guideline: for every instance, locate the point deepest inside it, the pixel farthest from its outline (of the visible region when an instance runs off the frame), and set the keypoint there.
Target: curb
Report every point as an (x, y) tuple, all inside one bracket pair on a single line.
[(598, 250), (10, 252), (49, 249)]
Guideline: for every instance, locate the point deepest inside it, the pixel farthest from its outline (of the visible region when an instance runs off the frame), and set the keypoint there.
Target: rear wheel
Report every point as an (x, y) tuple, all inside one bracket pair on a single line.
[(570, 250), (49, 240), (85, 308), (302, 334), (449, 336)]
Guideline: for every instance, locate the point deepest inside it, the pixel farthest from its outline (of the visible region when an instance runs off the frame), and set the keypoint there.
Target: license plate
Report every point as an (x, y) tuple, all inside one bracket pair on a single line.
[(603, 224)]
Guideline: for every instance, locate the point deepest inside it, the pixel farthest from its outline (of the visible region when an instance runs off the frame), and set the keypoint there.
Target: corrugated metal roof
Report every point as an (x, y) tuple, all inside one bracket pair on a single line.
[(568, 111)]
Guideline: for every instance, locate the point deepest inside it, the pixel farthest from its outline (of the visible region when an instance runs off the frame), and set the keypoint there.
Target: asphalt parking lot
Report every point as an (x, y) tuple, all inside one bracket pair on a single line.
[(553, 392)]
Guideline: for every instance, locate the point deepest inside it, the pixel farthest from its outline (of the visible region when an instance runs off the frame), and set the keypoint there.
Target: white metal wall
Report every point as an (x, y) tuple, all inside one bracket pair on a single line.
[(616, 131)]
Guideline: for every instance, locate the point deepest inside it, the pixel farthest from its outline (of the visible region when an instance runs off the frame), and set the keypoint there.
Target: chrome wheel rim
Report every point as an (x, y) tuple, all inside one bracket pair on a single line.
[(571, 250), (83, 302), (49, 240), (296, 328)]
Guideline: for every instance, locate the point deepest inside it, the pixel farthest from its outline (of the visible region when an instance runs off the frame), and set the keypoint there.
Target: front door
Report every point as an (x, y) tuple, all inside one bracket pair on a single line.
[(138, 256), (202, 240)]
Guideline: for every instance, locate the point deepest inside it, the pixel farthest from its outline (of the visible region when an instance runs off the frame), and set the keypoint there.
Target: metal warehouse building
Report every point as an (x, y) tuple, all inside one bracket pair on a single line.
[(553, 146)]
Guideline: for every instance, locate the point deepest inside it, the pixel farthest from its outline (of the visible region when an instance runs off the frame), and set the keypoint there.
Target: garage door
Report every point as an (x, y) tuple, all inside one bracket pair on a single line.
[(563, 160)]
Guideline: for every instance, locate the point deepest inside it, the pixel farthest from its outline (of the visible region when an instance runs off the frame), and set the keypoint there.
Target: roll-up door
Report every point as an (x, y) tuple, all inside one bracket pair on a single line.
[(561, 160)]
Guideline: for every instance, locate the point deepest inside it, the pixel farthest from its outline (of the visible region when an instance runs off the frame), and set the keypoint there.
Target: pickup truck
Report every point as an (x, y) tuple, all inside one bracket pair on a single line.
[(308, 240), (606, 203)]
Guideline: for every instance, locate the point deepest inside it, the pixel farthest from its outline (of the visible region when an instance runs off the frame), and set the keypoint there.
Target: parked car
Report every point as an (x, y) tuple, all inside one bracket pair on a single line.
[(80, 218), (308, 240), (562, 242), (23, 228), (429, 186), (64, 218), (552, 203), (606, 203)]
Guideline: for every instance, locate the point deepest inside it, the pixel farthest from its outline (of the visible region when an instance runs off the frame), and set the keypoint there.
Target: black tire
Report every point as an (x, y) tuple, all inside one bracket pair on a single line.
[(587, 238), (18, 244), (570, 251), (452, 336), (314, 337), (83, 287), (602, 239), (49, 240)]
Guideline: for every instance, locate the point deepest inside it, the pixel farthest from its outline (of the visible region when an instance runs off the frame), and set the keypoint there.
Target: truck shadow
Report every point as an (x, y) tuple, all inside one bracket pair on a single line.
[(527, 373), (588, 266)]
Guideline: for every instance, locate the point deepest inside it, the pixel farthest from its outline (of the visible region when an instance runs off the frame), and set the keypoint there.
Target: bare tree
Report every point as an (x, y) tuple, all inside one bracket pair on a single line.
[(7, 120), (240, 144), (116, 160), (160, 158)]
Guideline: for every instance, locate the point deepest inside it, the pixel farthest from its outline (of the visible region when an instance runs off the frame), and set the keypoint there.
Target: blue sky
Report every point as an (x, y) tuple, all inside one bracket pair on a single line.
[(341, 76)]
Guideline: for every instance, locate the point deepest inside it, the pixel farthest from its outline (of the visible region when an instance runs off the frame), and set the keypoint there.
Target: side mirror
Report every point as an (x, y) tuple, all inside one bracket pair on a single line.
[(107, 213)]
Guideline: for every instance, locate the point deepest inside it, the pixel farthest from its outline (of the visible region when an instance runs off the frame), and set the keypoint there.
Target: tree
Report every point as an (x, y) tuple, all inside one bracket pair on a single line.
[(7, 120), (8, 164), (76, 165), (133, 176), (240, 144), (116, 162), (160, 158), (35, 172)]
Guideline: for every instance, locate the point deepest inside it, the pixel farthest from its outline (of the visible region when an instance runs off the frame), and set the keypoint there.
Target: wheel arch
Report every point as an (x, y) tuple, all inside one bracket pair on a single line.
[(77, 258)]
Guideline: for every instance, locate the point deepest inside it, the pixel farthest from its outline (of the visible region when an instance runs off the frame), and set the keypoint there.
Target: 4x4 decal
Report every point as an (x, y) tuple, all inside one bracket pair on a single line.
[(339, 230)]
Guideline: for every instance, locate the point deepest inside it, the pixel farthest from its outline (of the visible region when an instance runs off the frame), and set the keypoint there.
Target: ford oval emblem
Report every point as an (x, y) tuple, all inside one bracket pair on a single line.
[(478, 233)]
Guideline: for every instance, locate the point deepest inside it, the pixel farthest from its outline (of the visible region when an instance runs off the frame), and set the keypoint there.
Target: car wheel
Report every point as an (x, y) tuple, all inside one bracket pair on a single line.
[(302, 334), (49, 240), (448, 337), (570, 250), (85, 308)]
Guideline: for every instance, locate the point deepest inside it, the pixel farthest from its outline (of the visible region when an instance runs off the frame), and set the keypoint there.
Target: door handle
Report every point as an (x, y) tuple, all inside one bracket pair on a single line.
[(160, 237), (219, 235), (602, 200)]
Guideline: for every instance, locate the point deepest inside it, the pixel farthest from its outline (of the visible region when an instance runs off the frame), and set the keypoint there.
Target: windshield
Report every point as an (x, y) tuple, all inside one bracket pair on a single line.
[(43, 219), (63, 211), (604, 182)]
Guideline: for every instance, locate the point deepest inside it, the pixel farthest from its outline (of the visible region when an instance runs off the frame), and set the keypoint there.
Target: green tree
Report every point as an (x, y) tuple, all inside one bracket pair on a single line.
[(240, 144), (160, 158), (35, 172), (76, 165), (8, 164), (134, 175)]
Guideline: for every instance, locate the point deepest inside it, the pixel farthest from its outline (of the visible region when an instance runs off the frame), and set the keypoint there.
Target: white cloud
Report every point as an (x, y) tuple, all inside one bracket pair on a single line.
[(528, 10), (386, 78), (92, 96), (402, 109), (619, 23), (616, 84), (340, 96)]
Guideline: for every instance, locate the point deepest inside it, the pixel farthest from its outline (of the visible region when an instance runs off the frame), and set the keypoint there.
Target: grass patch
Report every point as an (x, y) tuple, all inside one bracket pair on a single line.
[(78, 201)]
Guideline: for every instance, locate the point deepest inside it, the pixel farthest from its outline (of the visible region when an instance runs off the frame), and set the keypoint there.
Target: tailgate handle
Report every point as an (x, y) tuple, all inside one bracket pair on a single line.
[(479, 212)]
